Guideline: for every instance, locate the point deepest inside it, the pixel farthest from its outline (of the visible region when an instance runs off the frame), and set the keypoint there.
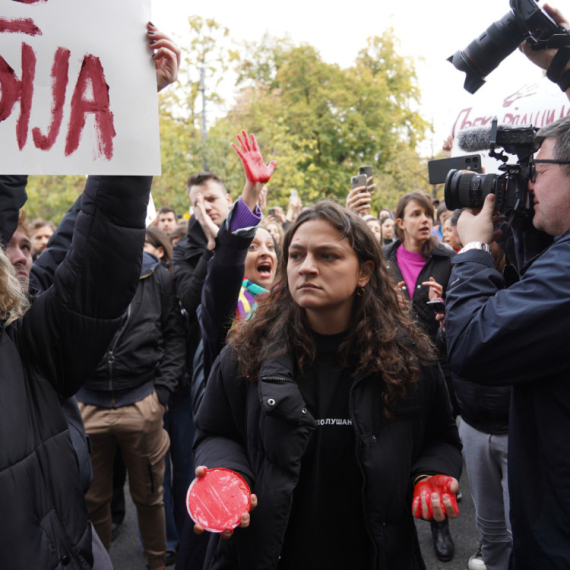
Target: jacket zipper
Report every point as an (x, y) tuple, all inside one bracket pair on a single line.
[(111, 356), (360, 467)]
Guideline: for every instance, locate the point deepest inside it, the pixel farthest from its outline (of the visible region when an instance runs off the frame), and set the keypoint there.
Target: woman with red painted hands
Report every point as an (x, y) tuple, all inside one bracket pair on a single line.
[(330, 403)]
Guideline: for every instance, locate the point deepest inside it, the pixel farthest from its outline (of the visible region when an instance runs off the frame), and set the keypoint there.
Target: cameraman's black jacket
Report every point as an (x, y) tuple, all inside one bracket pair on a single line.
[(519, 336)]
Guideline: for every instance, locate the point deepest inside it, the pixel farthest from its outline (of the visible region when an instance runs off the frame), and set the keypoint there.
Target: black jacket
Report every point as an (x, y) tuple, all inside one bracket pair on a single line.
[(241, 428), (150, 344), (519, 336), (190, 262), (45, 356), (437, 266), (485, 408)]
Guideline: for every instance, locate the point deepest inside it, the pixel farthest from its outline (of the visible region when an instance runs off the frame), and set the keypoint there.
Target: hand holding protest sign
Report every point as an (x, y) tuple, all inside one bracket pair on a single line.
[(68, 103)]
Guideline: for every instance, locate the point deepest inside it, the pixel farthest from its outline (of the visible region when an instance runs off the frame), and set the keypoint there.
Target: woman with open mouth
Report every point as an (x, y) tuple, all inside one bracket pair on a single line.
[(329, 401)]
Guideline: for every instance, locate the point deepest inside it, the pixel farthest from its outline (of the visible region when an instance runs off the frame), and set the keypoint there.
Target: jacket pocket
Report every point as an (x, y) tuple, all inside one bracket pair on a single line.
[(281, 397), (59, 556)]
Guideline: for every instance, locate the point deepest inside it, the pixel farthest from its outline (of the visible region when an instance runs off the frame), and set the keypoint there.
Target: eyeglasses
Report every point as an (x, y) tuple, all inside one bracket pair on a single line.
[(532, 170)]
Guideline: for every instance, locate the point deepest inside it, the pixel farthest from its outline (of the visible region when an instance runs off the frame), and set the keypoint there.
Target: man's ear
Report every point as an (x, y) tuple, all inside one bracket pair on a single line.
[(366, 270)]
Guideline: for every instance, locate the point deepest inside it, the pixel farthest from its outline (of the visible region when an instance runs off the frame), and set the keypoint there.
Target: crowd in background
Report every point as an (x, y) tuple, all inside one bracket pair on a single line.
[(344, 362)]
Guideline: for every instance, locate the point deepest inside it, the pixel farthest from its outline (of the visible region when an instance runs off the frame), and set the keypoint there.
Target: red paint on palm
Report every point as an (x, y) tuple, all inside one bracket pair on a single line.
[(439, 484), (217, 500), (256, 171), (91, 74), (59, 74), (19, 26)]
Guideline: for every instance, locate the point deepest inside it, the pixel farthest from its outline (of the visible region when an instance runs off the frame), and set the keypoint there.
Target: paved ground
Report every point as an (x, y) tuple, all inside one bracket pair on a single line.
[(126, 551)]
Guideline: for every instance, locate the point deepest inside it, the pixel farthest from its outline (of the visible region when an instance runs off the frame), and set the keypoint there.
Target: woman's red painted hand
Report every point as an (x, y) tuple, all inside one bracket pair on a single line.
[(256, 171), (435, 498)]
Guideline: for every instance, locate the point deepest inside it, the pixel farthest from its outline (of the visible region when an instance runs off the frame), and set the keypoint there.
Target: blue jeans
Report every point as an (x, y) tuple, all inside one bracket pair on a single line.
[(179, 463)]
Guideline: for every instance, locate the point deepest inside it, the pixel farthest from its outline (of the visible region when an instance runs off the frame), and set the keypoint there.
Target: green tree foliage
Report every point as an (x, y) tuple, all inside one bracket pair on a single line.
[(50, 197), (318, 120), (321, 122)]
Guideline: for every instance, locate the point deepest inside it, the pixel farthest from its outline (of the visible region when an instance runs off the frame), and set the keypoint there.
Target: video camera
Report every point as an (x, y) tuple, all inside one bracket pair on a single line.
[(468, 190), (526, 21)]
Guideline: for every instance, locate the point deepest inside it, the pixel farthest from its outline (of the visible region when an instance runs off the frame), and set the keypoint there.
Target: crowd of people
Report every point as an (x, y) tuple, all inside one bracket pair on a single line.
[(345, 363)]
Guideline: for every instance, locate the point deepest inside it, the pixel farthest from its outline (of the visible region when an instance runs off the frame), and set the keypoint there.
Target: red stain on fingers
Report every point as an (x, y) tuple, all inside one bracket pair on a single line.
[(21, 26)]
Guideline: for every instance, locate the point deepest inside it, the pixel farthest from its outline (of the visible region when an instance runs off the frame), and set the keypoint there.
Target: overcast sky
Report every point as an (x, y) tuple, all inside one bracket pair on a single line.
[(429, 31)]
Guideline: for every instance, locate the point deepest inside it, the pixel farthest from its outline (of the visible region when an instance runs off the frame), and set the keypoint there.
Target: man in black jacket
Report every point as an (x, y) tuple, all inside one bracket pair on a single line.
[(518, 336)]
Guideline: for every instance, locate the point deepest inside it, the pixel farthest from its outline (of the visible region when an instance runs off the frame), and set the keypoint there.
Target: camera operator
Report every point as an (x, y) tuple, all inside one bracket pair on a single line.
[(518, 336)]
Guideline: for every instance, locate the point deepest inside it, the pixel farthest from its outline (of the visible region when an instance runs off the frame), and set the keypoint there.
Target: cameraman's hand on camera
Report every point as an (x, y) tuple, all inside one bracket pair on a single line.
[(477, 226), (359, 200), (166, 55), (257, 173), (543, 57)]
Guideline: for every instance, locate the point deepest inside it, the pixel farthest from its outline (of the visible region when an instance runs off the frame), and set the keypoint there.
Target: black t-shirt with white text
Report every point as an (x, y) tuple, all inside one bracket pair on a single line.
[(326, 528)]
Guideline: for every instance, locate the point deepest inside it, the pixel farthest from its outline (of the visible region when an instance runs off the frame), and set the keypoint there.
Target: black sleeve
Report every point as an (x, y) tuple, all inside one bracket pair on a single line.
[(12, 197), (67, 330), (172, 363), (499, 336), (441, 449), (221, 291), (190, 262), (44, 268), (219, 439)]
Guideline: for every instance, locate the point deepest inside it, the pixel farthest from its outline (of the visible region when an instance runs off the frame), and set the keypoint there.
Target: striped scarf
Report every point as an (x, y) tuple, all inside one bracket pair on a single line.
[(247, 300)]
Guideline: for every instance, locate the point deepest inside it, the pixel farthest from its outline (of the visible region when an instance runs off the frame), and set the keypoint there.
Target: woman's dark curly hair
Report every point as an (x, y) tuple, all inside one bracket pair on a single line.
[(382, 338)]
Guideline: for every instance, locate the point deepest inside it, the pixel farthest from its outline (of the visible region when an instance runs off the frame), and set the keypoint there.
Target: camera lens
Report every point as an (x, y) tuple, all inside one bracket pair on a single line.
[(485, 53), (465, 189)]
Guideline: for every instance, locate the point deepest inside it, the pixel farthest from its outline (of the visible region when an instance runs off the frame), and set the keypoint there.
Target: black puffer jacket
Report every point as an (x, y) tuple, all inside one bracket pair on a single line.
[(262, 429), (438, 266), (45, 355)]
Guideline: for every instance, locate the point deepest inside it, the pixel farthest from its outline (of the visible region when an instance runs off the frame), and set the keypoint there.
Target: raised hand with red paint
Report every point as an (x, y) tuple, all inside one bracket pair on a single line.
[(435, 498), (257, 173), (167, 56)]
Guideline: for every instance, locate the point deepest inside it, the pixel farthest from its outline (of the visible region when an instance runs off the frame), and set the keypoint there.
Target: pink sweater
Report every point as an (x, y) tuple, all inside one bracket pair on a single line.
[(410, 264)]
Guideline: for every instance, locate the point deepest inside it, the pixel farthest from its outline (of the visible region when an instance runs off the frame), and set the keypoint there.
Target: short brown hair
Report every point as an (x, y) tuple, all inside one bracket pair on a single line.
[(201, 178)]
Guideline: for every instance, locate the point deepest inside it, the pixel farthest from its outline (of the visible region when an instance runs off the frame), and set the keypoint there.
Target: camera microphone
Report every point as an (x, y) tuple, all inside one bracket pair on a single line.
[(474, 140)]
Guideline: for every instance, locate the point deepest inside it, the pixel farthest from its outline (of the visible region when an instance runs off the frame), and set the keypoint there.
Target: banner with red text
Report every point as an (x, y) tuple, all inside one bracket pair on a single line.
[(77, 88), (539, 104)]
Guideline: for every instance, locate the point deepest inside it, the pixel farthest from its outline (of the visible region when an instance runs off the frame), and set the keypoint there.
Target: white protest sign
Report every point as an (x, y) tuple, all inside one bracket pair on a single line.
[(77, 88), (539, 104)]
